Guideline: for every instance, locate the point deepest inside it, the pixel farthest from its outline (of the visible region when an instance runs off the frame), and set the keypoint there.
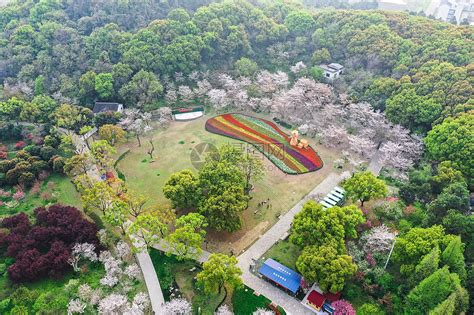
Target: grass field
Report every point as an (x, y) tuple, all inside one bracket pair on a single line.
[(172, 273), (285, 253), (245, 302), (56, 188), (173, 147)]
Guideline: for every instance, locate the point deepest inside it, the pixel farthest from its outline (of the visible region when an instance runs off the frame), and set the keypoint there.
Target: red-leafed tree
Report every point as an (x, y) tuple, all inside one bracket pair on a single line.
[(43, 249)]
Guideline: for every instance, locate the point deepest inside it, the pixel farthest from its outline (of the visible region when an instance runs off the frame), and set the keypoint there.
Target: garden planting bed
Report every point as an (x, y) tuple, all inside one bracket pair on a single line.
[(268, 139)]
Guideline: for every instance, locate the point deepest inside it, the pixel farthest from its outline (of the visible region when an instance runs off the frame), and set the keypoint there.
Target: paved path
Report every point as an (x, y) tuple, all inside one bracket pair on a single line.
[(144, 261), (273, 235), (151, 280), (375, 164)]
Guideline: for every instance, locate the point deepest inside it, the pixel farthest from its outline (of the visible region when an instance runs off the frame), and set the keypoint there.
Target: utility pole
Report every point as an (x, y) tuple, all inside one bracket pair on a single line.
[(390, 254)]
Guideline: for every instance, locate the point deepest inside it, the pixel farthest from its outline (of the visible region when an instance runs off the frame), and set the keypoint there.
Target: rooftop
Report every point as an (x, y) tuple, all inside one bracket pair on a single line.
[(101, 107), (316, 299), (282, 275)]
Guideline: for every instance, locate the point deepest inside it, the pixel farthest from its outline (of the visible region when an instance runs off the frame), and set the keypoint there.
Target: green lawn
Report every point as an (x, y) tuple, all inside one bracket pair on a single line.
[(173, 273), (172, 154), (285, 252), (56, 188), (245, 302)]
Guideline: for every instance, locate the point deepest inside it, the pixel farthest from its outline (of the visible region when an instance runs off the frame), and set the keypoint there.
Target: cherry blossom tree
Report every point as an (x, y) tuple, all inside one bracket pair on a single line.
[(401, 150), (298, 67), (280, 79), (218, 98), (265, 82), (82, 251), (361, 145), (203, 87), (123, 250), (342, 307), (185, 93), (141, 302), (334, 137), (133, 271), (76, 306), (223, 310), (171, 95), (113, 304), (177, 307), (378, 239), (136, 122)]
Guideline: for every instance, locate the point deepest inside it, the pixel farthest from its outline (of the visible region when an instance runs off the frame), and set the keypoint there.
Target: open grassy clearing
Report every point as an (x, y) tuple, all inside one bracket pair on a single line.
[(173, 147), (285, 252), (55, 189)]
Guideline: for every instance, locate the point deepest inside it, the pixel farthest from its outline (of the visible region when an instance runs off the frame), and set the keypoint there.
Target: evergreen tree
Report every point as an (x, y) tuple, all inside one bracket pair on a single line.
[(453, 256), (428, 265), (432, 291)]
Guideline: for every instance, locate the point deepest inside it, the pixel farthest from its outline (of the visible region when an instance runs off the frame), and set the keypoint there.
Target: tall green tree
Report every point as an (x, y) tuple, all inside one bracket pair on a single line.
[(104, 85), (315, 226), (245, 67), (10, 110), (417, 242), (103, 153), (455, 196), (146, 231), (453, 256), (428, 265), (116, 215), (219, 271), (326, 266), (415, 112), (300, 23), (39, 109), (143, 89), (182, 188), (87, 92), (432, 291), (364, 186), (453, 140), (186, 241), (223, 209)]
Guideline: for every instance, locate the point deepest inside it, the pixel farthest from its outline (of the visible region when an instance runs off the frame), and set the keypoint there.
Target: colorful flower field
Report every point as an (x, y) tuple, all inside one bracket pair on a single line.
[(267, 138)]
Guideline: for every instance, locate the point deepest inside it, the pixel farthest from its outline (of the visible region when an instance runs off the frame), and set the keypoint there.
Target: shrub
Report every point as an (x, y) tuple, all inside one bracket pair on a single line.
[(369, 309), (389, 211), (342, 307), (3, 155), (19, 195), (20, 145), (47, 152), (43, 249)]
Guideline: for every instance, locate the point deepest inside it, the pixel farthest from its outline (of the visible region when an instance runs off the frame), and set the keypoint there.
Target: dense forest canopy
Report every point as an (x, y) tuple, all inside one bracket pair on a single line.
[(65, 44), (406, 96)]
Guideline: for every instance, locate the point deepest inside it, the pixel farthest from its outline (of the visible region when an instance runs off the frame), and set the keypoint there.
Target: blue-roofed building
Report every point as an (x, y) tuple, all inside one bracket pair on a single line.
[(281, 275)]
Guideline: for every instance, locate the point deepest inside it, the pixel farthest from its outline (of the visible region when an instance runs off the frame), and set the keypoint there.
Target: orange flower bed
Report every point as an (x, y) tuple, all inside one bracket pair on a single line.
[(267, 138)]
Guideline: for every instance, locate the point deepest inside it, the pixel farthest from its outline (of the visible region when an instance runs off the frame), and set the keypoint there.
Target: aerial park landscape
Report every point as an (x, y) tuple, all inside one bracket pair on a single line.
[(236, 157)]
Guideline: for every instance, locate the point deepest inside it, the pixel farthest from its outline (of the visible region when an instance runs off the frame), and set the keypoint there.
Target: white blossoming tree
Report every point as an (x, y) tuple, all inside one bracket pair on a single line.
[(262, 311), (177, 307), (82, 251), (223, 310), (378, 239)]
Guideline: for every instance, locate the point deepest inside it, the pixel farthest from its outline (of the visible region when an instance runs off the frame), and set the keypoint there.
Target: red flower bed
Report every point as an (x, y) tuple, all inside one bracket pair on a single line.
[(268, 139)]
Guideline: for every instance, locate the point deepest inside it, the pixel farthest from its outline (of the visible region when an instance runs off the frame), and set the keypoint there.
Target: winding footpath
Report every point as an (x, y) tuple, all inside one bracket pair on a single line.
[(277, 232), (144, 260)]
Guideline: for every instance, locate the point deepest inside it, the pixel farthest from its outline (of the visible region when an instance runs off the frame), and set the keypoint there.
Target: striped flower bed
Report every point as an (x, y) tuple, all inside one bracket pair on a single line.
[(267, 138)]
